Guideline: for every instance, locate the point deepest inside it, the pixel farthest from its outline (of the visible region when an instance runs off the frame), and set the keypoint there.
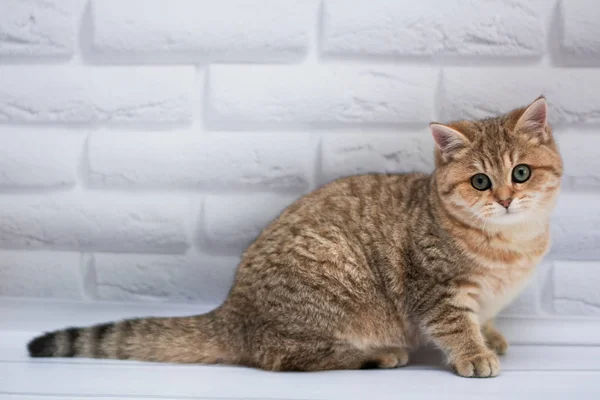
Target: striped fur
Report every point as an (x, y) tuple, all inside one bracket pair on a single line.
[(183, 340)]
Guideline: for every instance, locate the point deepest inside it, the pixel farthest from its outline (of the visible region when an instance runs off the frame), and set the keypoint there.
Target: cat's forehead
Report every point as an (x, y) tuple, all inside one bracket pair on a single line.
[(494, 158), (494, 145), (485, 131)]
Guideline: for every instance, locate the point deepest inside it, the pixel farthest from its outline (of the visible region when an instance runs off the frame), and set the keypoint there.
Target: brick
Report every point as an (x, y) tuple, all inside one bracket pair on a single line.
[(40, 274), (300, 95), (435, 28), (224, 160), (205, 30), (580, 157), (135, 277), (231, 223), (484, 92), (575, 288), (88, 221), (358, 153), (580, 31), (37, 28), (71, 94), (576, 226), (38, 159), (526, 303)]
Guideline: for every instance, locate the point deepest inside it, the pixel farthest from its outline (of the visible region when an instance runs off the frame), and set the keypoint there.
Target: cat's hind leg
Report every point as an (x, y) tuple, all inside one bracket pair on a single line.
[(323, 356), (402, 355), (388, 358)]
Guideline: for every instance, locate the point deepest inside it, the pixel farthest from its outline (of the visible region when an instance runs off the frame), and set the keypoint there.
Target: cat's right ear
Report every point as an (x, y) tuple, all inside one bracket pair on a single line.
[(448, 140), (534, 121)]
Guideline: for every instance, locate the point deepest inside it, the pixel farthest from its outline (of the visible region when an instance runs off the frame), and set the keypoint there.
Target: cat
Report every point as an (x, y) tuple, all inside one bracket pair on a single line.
[(367, 268)]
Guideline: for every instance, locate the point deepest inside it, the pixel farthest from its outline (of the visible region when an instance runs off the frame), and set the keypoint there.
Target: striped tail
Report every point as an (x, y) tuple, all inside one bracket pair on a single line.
[(197, 339)]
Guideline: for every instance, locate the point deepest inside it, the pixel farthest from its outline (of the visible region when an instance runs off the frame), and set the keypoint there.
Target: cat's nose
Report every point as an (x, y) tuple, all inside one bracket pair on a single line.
[(505, 203)]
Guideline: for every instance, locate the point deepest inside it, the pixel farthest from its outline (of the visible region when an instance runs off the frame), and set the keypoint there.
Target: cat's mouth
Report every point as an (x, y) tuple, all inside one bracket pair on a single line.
[(509, 216)]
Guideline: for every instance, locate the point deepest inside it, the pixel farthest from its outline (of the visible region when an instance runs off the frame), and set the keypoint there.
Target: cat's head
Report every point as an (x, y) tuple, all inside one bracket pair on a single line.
[(499, 171)]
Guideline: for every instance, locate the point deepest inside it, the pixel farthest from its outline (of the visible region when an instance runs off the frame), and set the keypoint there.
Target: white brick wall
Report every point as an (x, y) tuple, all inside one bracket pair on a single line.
[(580, 30), (344, 154), (576, 288), (496, 89), (204, 30), (72, 94), (178, 159), (232, 222), (435, 28), (191, 277), (145, 143), (41, 274), (320, 94), (37, 28), (95, 221), (26, 162)]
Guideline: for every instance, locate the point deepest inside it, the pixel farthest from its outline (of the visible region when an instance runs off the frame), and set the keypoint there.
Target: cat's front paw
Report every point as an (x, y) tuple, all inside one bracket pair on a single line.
[(483, 365), (496, 342)]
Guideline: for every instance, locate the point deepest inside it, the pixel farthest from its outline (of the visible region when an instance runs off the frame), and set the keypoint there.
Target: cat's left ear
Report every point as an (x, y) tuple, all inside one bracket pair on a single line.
[(534, 120)]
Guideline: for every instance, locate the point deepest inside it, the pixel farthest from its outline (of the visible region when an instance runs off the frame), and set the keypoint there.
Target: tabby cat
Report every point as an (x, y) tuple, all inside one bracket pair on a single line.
[(367, 268)]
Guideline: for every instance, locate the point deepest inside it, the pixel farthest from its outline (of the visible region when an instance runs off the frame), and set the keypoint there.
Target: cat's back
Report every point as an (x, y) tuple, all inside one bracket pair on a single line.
[(374, 191), (362, 217), (355, 206), (371, 185)]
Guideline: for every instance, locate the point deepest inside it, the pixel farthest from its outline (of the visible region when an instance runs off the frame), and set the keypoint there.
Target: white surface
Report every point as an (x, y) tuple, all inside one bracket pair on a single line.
[(529, 372)]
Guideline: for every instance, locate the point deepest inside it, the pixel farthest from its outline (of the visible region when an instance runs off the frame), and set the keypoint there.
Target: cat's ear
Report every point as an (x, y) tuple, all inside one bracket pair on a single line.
[(534, 120), (448, 140)]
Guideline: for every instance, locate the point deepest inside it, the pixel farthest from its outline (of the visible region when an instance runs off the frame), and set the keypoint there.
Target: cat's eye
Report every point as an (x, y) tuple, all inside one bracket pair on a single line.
[(481, 182), (521, 173)]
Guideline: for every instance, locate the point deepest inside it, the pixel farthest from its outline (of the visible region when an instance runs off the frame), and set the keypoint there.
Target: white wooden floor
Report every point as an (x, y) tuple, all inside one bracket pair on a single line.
[(567, 366)]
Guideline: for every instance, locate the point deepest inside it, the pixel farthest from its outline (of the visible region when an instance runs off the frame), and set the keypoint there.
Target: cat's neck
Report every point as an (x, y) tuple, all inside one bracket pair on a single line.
[(517, 246), (523, 231)]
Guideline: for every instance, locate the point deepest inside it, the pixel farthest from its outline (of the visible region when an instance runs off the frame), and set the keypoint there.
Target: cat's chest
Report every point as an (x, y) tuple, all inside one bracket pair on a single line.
[(503, 269), (500, 284)]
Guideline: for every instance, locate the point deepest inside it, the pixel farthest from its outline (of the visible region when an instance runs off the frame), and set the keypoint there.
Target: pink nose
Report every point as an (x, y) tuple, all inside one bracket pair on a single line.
[(505, 203)]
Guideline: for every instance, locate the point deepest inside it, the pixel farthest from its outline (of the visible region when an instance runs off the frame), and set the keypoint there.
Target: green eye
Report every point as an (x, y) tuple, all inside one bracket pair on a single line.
[(481, 182), (521, 173)]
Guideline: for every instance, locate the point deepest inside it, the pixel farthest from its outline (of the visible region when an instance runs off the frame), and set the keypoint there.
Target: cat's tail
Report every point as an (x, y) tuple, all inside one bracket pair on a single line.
[(199, 339)]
